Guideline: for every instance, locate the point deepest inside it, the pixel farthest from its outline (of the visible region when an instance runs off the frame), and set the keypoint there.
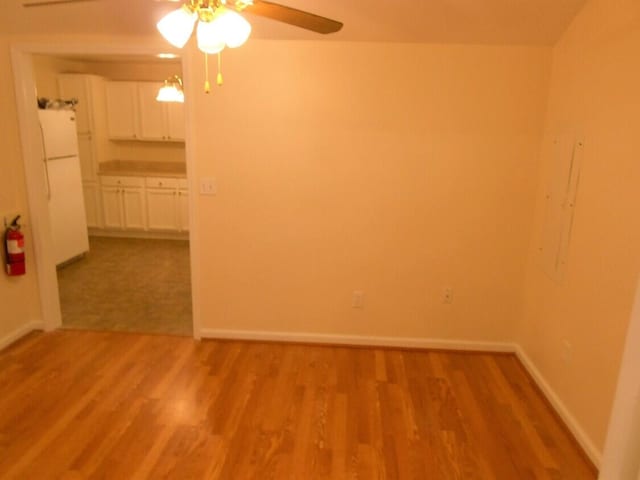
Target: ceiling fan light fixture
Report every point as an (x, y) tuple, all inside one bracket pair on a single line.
[(176, 26), (210, 37), (236, 29)]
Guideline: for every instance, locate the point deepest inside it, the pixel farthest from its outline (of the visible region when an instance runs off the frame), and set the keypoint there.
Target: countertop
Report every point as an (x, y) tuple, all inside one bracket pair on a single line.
[(136, 168)]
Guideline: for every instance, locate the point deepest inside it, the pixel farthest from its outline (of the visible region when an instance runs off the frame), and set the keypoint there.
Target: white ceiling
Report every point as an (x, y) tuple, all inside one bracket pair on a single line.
[(530, 22)]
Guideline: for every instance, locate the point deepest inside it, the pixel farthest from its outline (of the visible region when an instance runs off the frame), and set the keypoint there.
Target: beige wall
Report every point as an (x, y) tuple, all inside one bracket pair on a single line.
[(46, 70), (19, 300), (393, 169), (594, 93), (142, 71)]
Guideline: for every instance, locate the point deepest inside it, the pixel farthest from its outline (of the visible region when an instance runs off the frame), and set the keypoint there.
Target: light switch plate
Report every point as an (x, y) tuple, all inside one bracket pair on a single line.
[(208, 186)]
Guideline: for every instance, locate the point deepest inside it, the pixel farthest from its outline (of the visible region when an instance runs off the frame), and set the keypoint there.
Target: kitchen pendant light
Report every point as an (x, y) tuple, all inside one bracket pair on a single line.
[(171, 91)]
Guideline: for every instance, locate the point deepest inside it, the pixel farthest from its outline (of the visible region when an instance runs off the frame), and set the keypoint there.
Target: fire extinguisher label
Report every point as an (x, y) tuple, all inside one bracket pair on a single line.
[(15, 246)]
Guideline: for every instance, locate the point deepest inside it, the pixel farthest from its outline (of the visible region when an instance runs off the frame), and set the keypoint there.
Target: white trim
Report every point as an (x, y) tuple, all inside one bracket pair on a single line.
[(143, 234), (621, 457), (34, 178), (18, 333), (594, 454), (34, 172), (190, 156), (360, 340)]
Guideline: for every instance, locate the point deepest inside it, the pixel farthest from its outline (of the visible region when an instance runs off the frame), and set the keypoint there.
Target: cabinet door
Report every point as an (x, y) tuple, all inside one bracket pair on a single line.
[(92, 204), (175, 121), (112, 207), (134, 210), (122, 117), (88, 165), (76, 86), (183, 210), (162, 209), (152, 112)]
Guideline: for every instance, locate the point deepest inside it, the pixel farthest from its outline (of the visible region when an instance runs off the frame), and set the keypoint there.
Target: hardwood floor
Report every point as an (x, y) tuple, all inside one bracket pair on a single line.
[(80, 404)]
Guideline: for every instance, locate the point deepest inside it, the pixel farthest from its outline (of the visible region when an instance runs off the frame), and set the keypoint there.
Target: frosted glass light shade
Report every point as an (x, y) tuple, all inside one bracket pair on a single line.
[(176, 26), (236, 28), (170, 93), (210, 37)]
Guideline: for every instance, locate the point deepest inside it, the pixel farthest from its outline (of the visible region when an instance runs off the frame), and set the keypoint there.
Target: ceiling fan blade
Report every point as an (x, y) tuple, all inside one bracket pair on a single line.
[(292, 16), (45, 3)]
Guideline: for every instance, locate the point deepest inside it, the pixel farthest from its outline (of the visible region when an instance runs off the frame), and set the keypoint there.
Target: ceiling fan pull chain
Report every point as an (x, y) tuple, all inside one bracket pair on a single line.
[(207, 85), (219, 78)]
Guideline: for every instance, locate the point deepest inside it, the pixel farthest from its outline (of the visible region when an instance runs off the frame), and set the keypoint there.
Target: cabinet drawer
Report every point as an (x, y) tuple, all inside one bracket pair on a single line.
[(162, 182), (122, 181), (183, 184)]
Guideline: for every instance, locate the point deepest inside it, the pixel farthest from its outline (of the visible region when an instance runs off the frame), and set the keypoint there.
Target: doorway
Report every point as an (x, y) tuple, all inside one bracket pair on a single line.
[(109, 267)]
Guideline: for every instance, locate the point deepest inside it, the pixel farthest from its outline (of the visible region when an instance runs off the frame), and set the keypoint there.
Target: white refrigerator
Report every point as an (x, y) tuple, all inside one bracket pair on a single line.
[(64, 184)]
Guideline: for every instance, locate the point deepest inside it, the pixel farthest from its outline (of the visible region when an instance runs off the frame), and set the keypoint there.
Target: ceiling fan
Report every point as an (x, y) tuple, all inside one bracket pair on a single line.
[(262, 8), (219, 24)]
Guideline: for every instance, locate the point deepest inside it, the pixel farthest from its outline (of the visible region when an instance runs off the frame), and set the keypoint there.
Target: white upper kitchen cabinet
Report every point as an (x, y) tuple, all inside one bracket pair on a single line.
[(175, 121), (163, 121), (122, 110), (152, 112)]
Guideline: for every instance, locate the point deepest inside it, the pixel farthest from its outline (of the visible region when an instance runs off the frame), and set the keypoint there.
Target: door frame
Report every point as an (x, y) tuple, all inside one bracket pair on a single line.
[(39, 224), (621, 458)]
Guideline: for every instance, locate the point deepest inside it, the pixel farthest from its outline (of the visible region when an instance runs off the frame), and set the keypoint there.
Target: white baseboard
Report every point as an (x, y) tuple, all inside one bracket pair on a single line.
[(98, 232), (18, 333), (594, 454), (359, 340)]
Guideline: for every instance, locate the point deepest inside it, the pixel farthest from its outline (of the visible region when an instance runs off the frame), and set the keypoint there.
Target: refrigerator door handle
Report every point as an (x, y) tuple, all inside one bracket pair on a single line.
[(46, 166)]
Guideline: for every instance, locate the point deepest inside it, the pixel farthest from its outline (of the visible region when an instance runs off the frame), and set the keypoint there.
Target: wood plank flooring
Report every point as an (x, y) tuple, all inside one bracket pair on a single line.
[(80, 404)]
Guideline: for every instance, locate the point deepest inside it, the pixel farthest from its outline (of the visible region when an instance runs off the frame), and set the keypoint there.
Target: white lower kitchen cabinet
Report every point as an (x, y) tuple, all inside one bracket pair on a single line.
[(92, 204), (123, 200), (161, 209), (167, 204), (157, 205), (133, 200), (183, 210)]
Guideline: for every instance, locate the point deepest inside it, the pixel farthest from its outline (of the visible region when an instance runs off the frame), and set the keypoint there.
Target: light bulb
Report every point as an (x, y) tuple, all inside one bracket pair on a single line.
[(176, 26), (210, 37), (236, 29)]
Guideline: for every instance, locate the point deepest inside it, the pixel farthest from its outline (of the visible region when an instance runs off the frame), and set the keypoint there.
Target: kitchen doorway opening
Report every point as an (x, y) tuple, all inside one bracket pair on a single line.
[(136, 273)]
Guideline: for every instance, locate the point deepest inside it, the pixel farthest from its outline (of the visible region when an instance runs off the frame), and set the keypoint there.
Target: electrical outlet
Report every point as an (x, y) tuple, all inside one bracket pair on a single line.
[(208, 186), (357, 300), (447, 295)]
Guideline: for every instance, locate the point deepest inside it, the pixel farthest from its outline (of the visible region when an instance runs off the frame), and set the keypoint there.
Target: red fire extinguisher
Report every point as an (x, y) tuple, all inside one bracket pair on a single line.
[(14, 249)]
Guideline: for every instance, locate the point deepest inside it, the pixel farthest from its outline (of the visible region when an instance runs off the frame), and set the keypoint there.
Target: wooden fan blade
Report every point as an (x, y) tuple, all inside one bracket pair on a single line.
[(44, 3), (293, 16)]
